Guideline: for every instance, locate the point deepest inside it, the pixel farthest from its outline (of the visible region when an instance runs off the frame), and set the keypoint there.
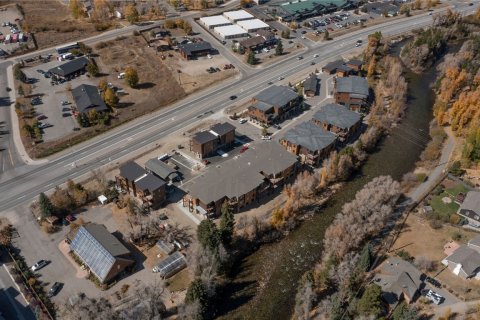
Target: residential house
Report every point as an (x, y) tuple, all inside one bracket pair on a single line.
[(70, 68), (470, 208), (465, 261), (331, 67), (194, 49), (352, 92), (206, 143), (105, 256), (273, 105), (338, 119), (268, 35), (87, 97), (159, 33), (241, 181), (399, 280), (310, 142), (355, 65), (255, 43), (162, 170), (147, 187), (310, 85)]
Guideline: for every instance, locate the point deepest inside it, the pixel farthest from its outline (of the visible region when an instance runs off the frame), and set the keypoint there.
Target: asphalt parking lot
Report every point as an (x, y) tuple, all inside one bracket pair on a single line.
[(57, 115)]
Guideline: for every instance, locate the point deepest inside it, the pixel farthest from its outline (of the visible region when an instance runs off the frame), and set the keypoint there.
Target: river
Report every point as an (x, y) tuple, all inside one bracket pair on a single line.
[(288, 259)]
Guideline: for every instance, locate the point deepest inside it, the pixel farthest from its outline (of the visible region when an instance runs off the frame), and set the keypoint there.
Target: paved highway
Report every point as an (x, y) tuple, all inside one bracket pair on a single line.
[(147, 130)]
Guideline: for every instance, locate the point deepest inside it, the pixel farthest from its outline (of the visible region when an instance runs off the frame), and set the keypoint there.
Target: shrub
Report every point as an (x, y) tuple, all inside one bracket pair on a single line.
[(456, 236), (421, 177), (435, 224), (404, 255), (455, 219)]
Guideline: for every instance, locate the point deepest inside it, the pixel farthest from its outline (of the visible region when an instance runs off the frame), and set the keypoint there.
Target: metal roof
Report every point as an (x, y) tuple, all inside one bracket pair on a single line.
[(149, 182), (106, 239), (87, 98), (252, 24), (278, 96), (238, 14), (262, 106), (310, 136), (171, 265), (215, 20), (191, 48), (332, 66), (161, 169), (472, 202), (222, 128), (251, 42), (355, 62), (352, 84), (337, 115), (131, 171), (232, 30), (204, 137), (240, 174), (70, 67)]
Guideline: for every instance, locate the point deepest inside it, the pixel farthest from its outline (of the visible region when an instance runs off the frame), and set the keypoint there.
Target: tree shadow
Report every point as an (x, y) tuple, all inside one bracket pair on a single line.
[(145, 85), (233, 296)]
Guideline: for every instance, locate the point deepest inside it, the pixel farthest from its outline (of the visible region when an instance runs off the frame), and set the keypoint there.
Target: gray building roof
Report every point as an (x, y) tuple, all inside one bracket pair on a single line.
[(70, 67), (222, 128), (87, 98), (310, 83), (277, 95), (194, 47), (406, 284), (344, 67), (107, 240), (352, 84), (471, 202), (310, 136), (469, 259), (262, 106), (241, 174), (131, 171), (337, 115), (161, 169), (355, 62), (149, 182), (332, 66), (204, 137)]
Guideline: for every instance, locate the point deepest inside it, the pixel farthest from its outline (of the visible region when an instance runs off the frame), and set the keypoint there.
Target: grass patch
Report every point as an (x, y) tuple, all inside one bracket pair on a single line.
[(443, 209), (459, 188), (179, 282)]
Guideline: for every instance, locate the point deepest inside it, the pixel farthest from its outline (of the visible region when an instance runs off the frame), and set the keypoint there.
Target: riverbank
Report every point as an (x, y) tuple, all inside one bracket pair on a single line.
[(265, 282)]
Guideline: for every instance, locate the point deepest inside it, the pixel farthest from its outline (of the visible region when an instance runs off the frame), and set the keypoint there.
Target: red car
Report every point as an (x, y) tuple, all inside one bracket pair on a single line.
[(244, 148), (70, 218)]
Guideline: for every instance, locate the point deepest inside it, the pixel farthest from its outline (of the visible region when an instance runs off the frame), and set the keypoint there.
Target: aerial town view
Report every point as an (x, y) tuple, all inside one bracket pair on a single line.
[(239, 159)]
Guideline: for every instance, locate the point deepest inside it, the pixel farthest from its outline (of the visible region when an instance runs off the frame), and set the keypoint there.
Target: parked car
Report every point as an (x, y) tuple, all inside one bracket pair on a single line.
[(66, 115), (54, 289), (70, 218), (266, 138), (276, 126), (39, 265), (42, 117), (40, 71), (434, 297), (243, 149), (65, 103), (242, 120), (433, 282), (44, 125)]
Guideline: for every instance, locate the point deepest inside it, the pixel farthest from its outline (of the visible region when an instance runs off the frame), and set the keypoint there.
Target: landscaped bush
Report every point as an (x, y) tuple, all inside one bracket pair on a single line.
[(435, 224)]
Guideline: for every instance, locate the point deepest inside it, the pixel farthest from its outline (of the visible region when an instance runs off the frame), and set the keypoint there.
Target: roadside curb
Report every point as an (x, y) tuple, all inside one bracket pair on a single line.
[(16, 285), (15, 124)]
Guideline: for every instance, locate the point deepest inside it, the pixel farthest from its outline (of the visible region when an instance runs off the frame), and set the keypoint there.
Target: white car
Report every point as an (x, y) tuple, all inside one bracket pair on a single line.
[(315, 55), (39, 265), (434, 297), (266, 138), (242, 120)]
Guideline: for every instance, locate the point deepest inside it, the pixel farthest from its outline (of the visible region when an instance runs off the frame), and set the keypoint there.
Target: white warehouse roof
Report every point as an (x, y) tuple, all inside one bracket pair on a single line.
[(238, 15), (252, 24), (232, 30), (215, 20)]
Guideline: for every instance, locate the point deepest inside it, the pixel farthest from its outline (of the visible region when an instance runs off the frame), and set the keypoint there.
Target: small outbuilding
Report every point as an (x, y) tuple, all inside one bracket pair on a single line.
[(171, 265)]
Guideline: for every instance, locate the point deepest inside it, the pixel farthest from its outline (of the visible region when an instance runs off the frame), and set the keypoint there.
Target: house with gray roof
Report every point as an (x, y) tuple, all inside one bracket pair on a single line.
[(310, 85), (70, 68), (464, 262), (105, 256), (148, 188), (331, 67), (352, 92), (86, 98), (308, 141), (337, 119), (162, 169), (470, 208), (241, 181), (273, 105), (206, 143)]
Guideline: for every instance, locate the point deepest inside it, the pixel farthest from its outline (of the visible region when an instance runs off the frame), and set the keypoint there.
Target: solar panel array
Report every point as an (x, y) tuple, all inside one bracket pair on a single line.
[(93, 254)]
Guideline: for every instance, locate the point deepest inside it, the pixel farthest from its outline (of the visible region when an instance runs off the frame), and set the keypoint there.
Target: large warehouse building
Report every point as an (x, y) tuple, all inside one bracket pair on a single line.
[(215, 21), (230, 32), (238, 15), (253, 25)]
